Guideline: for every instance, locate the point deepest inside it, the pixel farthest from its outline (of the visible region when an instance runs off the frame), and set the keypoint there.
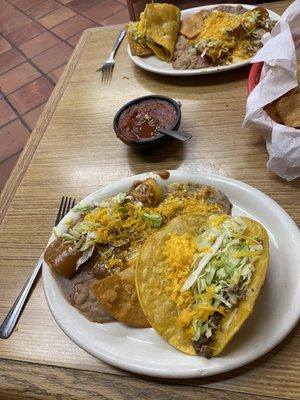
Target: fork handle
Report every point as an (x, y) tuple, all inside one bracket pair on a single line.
[(118, 41), (12, 317)]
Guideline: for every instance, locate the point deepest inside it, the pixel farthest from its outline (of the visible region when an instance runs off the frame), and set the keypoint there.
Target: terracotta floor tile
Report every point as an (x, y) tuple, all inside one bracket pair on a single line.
[(4, 45), (7, 114), (27, 32), (24, 5), (56, 17), (43, 8), (74, 39), (18, 77), (6, 168), (64, 1), (38, 44), (10, 59), (121, 17), (31, 95), (11, 19), (13, 137), (82, 5), (72, 26), (103, 10), (123, 2), (32, 116), (56, 73), (54, 57)]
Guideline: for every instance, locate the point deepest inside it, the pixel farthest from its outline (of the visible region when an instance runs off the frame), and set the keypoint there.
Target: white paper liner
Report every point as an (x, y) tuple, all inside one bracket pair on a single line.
[(278, 76)]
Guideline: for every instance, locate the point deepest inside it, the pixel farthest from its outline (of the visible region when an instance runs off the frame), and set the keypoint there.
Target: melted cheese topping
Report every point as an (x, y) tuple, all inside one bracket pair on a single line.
[(217, 24), (124, 226), (227, 35)]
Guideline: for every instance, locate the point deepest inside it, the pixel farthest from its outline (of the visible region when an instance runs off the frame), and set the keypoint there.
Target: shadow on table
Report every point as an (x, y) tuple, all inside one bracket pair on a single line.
[(213, 381), (169, 155), (154, 81)]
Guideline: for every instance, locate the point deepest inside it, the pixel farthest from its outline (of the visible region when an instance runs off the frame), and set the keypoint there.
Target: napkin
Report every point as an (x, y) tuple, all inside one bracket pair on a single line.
[(278, 76)]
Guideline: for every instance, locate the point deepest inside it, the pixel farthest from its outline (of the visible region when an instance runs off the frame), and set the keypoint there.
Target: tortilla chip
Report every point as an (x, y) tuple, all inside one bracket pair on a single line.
[(288, 109), (156, 303), (272, 112), (161, 24), (117, 294), (298, 69), (192, 26)]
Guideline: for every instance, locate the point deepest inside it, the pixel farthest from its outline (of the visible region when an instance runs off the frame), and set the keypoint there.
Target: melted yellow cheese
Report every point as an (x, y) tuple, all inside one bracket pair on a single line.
[(226, 37), (125, 224)]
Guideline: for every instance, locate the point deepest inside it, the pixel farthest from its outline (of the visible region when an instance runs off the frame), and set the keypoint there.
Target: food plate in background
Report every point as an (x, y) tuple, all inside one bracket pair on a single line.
[(154, 64), (141, 350)]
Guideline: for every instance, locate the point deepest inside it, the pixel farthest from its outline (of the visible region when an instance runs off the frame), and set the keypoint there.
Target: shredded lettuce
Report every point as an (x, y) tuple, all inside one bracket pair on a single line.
[(225, 263)]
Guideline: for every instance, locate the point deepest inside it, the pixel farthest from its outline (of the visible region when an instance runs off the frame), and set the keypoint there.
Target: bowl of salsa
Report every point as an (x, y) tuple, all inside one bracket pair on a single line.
[(138, 121)]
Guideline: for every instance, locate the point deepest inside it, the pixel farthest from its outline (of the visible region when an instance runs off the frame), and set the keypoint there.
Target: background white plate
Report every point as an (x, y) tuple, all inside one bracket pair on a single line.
[(143, 351), (154, 64)]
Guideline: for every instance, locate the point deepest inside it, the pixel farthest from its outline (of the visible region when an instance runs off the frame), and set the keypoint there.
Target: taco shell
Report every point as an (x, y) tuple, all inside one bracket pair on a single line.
[(161, 311), (161, 25), (117, 294)]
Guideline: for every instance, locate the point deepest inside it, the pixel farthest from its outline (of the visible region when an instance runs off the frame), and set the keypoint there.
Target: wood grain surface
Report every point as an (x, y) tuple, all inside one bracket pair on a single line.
[(73, 151)]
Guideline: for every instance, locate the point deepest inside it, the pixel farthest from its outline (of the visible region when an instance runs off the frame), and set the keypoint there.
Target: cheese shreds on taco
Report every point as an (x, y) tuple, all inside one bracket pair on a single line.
[(198, 279)]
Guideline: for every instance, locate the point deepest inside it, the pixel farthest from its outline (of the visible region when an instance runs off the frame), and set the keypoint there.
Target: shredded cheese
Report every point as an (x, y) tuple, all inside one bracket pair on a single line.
[(180, 252), (124, 223)]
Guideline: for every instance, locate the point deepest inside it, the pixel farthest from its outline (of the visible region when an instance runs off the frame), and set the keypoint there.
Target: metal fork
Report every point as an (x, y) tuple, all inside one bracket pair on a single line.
[(108, 66), (9, 323)]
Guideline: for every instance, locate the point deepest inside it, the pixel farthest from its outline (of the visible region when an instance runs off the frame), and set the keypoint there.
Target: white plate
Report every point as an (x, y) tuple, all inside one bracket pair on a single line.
[(143, 351), (154, 64)]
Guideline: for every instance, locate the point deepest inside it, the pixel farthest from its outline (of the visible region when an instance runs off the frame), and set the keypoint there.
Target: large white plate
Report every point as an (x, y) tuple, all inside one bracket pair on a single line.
[(143, 351), (154, 64)]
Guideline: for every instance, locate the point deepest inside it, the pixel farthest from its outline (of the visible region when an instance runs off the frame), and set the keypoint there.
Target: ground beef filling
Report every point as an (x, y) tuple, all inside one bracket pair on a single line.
[(204, 345)]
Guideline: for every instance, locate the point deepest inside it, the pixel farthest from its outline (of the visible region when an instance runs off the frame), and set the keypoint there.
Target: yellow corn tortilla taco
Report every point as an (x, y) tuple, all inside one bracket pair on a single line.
[(198, 279), (156, 32), (162, 24)]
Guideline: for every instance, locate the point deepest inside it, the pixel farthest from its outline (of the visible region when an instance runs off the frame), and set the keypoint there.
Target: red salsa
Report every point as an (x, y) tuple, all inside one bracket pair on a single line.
[(141, 120)]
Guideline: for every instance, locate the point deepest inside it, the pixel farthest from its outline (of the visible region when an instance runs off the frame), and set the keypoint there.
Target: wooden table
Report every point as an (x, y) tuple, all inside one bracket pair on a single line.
[(74, 151)]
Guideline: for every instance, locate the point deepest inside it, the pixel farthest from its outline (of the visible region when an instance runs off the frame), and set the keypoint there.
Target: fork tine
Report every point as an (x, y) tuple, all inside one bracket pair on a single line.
[(66, 204), (63, 212), (58, 216), (68, 208)]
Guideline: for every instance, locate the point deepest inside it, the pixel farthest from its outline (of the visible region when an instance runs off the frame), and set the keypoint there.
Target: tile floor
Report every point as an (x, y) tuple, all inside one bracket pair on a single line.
[(37, 38)]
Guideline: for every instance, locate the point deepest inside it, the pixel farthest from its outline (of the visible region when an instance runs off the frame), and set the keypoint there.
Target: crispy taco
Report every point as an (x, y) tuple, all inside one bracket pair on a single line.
[(118, 296), (198, 279), (156, 32)]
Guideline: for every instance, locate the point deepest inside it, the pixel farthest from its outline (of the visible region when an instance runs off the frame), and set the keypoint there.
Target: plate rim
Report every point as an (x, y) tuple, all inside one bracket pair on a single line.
[(139, 61), (149, 370)]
